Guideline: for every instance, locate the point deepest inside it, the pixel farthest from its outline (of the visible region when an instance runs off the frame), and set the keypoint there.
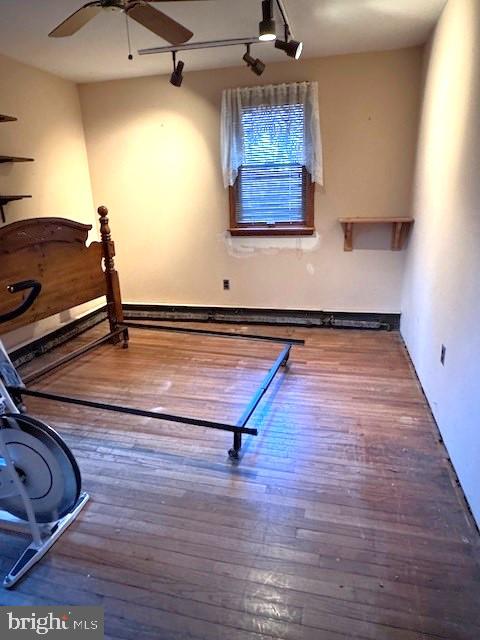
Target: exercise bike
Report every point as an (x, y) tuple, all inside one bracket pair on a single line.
[(40, 482)]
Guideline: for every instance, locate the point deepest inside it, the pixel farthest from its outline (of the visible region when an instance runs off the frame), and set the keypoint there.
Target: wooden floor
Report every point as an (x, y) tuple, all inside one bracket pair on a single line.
[(341, 521)]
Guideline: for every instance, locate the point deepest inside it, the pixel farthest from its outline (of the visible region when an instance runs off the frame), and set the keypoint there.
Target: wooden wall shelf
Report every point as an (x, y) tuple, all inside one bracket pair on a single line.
[(400, 229), (5, 200), (4, 159)]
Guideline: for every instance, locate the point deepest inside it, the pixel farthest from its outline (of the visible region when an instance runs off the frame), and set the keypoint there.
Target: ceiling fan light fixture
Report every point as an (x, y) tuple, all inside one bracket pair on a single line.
[(267, 27), (141, 11), (255, 64), (292, 48)]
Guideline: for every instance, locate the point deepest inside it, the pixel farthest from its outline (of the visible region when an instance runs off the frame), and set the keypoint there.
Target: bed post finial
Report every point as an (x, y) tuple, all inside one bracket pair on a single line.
[(104, 227), (108, 248), (114, 299)]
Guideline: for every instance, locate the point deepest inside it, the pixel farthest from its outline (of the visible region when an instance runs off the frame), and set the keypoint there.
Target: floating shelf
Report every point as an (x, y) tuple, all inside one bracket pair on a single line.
[(5, 200), (400, 229), (4, 159), (7, 118)]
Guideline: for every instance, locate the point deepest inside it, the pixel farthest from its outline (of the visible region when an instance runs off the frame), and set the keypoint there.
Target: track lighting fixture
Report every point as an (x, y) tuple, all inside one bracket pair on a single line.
[(256, 65), (267, 26), (177, 77), (292, 48), (267, 31)]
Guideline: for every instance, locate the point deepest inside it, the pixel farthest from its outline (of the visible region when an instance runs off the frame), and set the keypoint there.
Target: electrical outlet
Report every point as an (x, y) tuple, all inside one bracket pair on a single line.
[(226, 285), (442, 354)]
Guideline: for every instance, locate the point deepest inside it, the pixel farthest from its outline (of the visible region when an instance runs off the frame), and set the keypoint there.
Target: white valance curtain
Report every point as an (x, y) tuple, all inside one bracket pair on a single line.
[(236, 101)]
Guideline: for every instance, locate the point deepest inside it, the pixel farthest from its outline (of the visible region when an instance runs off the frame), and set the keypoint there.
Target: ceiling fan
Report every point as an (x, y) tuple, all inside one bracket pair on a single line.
[(139, 10)]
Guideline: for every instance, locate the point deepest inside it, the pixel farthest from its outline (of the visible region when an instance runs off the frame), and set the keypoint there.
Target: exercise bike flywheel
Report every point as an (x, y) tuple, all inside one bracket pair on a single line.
[(46, 467)]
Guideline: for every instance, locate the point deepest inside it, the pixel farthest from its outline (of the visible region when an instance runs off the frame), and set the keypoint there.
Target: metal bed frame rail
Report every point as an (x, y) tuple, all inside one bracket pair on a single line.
[(238, 429)]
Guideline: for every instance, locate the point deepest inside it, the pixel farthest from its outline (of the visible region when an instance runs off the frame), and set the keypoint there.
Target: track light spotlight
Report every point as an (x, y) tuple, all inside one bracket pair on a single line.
[(292, 48), (177, 76), (267, 26), (256, 65)]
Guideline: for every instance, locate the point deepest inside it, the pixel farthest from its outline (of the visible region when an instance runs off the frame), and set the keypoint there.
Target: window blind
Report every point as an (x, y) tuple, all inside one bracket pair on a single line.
[(271, 182)]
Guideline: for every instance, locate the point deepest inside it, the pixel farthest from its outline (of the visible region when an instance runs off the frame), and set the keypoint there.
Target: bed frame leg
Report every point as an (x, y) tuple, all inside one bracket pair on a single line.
[(125, 339), (234, 452), (285, 360)]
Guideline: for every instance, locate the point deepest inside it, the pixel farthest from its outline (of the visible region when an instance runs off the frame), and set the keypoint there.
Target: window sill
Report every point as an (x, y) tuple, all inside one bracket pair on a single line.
[(290, 230)]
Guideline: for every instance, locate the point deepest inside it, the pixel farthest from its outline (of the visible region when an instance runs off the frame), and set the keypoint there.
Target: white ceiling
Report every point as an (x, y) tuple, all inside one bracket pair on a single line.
[(99, 50)]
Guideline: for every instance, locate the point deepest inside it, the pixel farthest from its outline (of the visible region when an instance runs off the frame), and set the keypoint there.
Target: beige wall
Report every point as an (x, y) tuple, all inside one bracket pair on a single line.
[(49, 129), (441, 302), (154, 161)]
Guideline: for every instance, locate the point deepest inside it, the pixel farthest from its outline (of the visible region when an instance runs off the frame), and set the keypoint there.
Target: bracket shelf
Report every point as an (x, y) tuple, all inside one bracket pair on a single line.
[(4, 200), (4, 159), (400, 228)]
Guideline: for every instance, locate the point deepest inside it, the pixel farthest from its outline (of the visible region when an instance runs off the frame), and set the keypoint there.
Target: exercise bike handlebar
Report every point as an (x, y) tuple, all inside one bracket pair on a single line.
[(35, 287)]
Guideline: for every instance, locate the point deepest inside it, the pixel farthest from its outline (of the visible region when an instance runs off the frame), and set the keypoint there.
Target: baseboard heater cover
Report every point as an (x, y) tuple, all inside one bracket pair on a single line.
[(302, 318), (325, 319), (55, 338)]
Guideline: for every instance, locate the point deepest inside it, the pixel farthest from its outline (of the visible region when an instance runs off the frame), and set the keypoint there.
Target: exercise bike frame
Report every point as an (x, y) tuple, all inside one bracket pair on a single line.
[(44, 535)]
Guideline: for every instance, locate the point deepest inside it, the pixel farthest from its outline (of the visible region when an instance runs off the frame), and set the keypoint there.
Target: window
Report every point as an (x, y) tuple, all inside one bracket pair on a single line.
[(271, 189)]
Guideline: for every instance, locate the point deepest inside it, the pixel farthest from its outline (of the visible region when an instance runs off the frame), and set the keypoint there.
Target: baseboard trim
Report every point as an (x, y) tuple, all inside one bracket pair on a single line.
[(55, 338), (302, 318)]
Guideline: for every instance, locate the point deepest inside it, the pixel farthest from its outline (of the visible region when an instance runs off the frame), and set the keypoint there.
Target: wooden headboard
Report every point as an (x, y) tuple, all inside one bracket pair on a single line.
[(54, 252)]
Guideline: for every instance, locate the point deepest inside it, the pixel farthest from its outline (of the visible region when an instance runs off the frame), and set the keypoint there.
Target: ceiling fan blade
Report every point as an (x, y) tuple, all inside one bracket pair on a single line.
[(158, 22), (76, 21)]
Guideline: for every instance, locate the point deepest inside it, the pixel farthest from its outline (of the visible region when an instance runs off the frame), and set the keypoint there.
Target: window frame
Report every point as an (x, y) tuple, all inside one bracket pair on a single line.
[(305, 228)]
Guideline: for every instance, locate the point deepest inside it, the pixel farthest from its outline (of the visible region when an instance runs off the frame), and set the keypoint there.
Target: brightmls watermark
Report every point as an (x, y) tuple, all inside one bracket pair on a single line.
[(58, 623)]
